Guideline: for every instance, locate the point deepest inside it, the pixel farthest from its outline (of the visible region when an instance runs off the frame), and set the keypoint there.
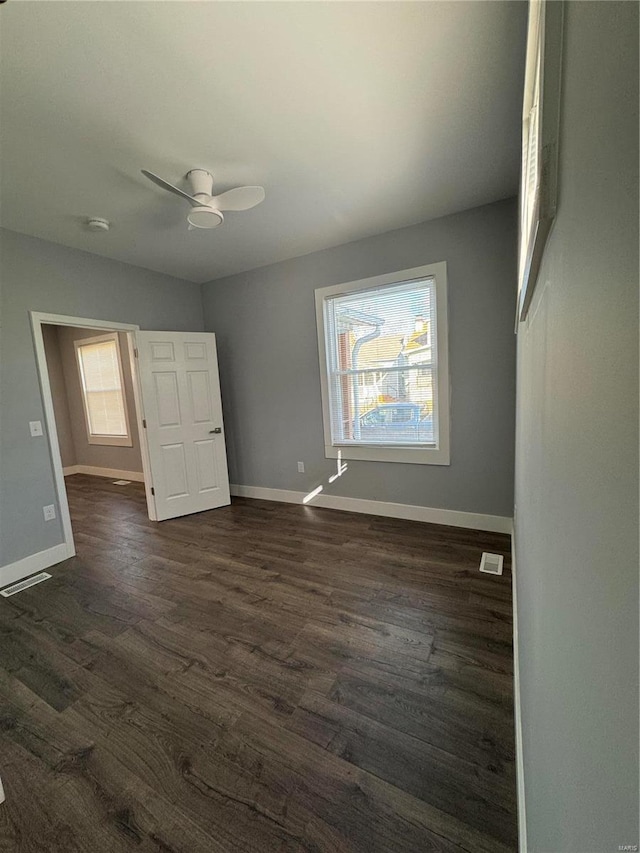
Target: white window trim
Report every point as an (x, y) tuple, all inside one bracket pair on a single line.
[(438, 455), (93, 438), (541, 102)]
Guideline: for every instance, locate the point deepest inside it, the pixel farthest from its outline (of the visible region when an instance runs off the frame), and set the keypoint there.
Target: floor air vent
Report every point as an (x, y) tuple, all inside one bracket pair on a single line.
[(18, 587), (491, 563)]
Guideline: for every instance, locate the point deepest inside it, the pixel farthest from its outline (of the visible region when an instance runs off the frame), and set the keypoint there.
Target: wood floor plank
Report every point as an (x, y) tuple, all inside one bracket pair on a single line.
[(180, 760), (369, 812), (429, 773), (80, 796), (462, 726), (263, 677), (41, 664)]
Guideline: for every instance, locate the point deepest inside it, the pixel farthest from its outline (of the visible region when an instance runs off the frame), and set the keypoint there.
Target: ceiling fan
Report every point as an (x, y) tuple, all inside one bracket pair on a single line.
[(207, 207)]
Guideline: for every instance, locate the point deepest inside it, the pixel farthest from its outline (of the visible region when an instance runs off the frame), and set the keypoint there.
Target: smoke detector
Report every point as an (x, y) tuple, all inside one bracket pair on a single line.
[(97, 223)]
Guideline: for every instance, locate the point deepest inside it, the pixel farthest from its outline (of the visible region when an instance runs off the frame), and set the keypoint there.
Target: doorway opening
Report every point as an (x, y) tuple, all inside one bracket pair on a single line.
[(152, 396), (92, 403)]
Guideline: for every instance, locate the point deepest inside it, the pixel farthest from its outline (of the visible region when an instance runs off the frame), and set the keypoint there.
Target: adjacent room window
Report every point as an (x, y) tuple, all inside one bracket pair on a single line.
[(102, 384), (384, 367)]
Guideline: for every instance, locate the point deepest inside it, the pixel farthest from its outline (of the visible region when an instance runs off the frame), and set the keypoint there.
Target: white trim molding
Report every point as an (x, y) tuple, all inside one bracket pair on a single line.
[(112, 473), (35, 563), (522, 812), (431, 515)]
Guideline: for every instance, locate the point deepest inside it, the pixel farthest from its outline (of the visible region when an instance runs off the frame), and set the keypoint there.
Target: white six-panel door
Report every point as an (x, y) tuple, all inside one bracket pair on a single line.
[(182, 410)]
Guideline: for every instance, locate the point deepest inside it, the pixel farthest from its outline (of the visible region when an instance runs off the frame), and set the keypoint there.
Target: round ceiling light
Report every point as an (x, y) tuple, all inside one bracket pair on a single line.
[(205, 217)]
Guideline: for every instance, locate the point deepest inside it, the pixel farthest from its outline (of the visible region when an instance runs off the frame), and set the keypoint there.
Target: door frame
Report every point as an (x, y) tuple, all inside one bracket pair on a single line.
[(38, 319)]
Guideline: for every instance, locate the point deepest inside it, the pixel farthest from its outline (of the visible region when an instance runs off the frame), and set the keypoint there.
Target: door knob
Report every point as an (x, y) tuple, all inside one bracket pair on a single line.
[(216, 430)]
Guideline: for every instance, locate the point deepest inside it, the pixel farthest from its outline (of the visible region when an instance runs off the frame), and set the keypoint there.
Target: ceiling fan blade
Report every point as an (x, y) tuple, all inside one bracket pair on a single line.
[(240, 198), (165, 186)]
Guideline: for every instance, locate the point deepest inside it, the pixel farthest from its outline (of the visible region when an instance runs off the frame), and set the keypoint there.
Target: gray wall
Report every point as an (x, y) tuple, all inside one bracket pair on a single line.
[(97, 455), (59, 395), (40, 276), (266, 331), (577, 461)]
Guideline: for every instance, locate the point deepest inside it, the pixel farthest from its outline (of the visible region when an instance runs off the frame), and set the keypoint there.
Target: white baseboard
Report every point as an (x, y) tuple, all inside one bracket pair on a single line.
[(112, 473), (522, 811), (432, 515), (34, 563)]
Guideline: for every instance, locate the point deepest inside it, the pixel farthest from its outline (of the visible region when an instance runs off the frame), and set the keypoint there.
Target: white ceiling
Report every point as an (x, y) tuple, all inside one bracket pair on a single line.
[(357, 118)]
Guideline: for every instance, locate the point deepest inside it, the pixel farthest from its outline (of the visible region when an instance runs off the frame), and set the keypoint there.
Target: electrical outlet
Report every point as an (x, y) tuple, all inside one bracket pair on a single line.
[(49, 512), (300, 467), (35, 428)]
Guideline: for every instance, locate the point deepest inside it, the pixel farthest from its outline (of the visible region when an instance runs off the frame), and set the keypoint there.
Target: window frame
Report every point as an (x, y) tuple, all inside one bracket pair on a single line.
[(98, 438), (541, 104), (438, 455)]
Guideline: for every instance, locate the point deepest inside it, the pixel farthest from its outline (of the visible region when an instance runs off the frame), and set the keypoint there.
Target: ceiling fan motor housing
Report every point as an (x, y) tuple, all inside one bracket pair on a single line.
[(207, 216), (201, 182)]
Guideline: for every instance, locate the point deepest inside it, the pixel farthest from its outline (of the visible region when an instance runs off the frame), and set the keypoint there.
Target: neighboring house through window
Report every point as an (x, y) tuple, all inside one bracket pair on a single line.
[(384, 367), (102, 384)]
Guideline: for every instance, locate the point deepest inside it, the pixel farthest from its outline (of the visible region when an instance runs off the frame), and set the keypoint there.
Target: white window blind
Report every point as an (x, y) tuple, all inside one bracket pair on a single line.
[(382, 366), (531, 171), (101, 379)]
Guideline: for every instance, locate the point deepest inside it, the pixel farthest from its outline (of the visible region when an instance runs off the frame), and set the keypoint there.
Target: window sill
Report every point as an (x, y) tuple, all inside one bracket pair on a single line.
[(111, 440), (370, 453)]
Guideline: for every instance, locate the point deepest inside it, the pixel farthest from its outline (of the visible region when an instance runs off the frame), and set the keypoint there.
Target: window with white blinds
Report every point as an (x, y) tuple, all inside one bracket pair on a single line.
[(540, 136), (531, 143), (102, 386), (384, 370)]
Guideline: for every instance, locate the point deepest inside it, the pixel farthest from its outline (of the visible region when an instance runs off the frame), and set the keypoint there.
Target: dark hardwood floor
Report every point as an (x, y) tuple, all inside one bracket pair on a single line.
[(263, 677)]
